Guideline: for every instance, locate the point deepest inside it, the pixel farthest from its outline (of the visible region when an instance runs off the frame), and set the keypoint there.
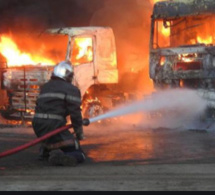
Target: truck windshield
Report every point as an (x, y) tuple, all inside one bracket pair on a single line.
[(82, 51), (185, 31)]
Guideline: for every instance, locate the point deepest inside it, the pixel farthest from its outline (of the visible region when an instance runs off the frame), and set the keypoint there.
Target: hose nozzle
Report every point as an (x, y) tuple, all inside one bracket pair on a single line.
[(86, 122)]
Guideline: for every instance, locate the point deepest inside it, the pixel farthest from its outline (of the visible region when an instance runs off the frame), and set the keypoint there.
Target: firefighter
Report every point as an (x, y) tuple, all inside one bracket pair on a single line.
[(58, 99)]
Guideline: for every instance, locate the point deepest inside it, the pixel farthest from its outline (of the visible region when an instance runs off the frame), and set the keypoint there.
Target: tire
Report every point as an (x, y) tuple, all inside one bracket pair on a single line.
[(93, 109)]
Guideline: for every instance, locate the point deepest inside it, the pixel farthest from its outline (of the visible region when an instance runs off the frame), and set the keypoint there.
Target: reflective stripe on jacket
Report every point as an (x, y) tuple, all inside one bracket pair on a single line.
[(60, 98)]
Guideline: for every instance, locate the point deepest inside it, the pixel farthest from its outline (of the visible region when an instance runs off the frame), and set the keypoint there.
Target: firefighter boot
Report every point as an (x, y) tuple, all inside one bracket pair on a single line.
[(61, 159), (43, 153)]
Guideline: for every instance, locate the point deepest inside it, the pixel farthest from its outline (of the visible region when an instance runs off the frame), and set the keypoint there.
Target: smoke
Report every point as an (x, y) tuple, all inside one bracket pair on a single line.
[(34, 15), (168, 109), (130, 21)]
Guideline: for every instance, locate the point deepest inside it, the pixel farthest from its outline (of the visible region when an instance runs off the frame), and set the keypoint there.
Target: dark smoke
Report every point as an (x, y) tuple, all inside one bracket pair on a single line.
[(23, 15), (130, 20)]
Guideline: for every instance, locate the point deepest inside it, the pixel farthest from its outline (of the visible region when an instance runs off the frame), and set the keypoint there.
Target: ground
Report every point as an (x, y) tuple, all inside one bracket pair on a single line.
[(119, 158)]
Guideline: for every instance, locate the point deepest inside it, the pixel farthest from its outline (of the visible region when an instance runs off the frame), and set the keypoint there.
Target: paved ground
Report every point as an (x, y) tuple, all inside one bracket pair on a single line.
[(119, 158)]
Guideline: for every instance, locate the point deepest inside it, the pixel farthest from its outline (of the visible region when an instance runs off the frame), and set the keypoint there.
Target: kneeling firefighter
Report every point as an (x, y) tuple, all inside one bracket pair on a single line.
[(58, 99)]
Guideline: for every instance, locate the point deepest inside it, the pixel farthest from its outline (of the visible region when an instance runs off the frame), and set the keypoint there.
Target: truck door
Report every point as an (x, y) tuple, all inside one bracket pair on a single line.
[(82, 58)]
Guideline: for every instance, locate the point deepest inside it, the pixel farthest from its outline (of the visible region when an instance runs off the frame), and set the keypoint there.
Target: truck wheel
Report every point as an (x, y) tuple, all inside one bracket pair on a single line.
[(93, 109)]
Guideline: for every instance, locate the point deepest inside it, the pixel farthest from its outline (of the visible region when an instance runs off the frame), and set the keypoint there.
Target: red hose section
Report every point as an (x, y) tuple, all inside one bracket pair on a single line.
[(34, 142)]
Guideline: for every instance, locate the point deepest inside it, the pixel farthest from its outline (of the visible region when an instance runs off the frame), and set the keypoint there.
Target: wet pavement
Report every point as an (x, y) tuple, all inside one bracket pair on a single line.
[(115, 151)]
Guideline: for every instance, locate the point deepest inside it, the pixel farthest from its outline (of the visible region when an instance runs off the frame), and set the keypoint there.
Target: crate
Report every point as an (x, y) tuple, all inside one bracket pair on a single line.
[(23, 85)]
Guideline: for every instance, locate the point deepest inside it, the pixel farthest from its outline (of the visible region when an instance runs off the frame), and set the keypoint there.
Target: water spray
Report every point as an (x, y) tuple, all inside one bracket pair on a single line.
[(183, 100), (186, 102)]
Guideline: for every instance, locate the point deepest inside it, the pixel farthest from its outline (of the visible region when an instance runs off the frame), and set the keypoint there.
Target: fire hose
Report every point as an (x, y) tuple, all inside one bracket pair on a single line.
[(86, 122)]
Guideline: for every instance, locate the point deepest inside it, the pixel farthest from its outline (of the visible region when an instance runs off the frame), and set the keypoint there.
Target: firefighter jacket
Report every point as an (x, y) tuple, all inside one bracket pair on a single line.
[(59, 99)]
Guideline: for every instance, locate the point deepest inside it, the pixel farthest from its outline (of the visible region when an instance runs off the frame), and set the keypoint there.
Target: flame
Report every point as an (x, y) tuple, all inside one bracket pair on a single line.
[(208, 40), (200, 40), (162, 60), (155, 1), (187, 57), (165, 31), (83, 50), (15, 57), (197, 36)]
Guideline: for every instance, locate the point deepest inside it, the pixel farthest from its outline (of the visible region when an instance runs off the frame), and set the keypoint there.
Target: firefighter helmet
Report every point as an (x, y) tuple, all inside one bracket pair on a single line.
[(64, 71)]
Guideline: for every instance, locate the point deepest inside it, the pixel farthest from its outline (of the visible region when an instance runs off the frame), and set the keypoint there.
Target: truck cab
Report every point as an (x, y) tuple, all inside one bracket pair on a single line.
[(92, 52), (182, 46)]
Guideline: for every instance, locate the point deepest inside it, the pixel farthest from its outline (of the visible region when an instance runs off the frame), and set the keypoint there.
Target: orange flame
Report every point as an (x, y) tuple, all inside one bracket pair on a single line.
[(15, 57), (165, 31), (187, 57), (155, 1), (200, 40), (83, 50)]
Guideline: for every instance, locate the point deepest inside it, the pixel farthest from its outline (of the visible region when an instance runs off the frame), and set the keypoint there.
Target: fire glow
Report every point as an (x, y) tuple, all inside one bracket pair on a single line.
[(155, 1), (188, 57), (15, 57), (82, 51), (208, 40)]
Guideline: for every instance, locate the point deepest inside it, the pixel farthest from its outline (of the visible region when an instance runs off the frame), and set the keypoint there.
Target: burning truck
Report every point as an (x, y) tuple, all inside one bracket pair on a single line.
[(92, 52), (182, 46)]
